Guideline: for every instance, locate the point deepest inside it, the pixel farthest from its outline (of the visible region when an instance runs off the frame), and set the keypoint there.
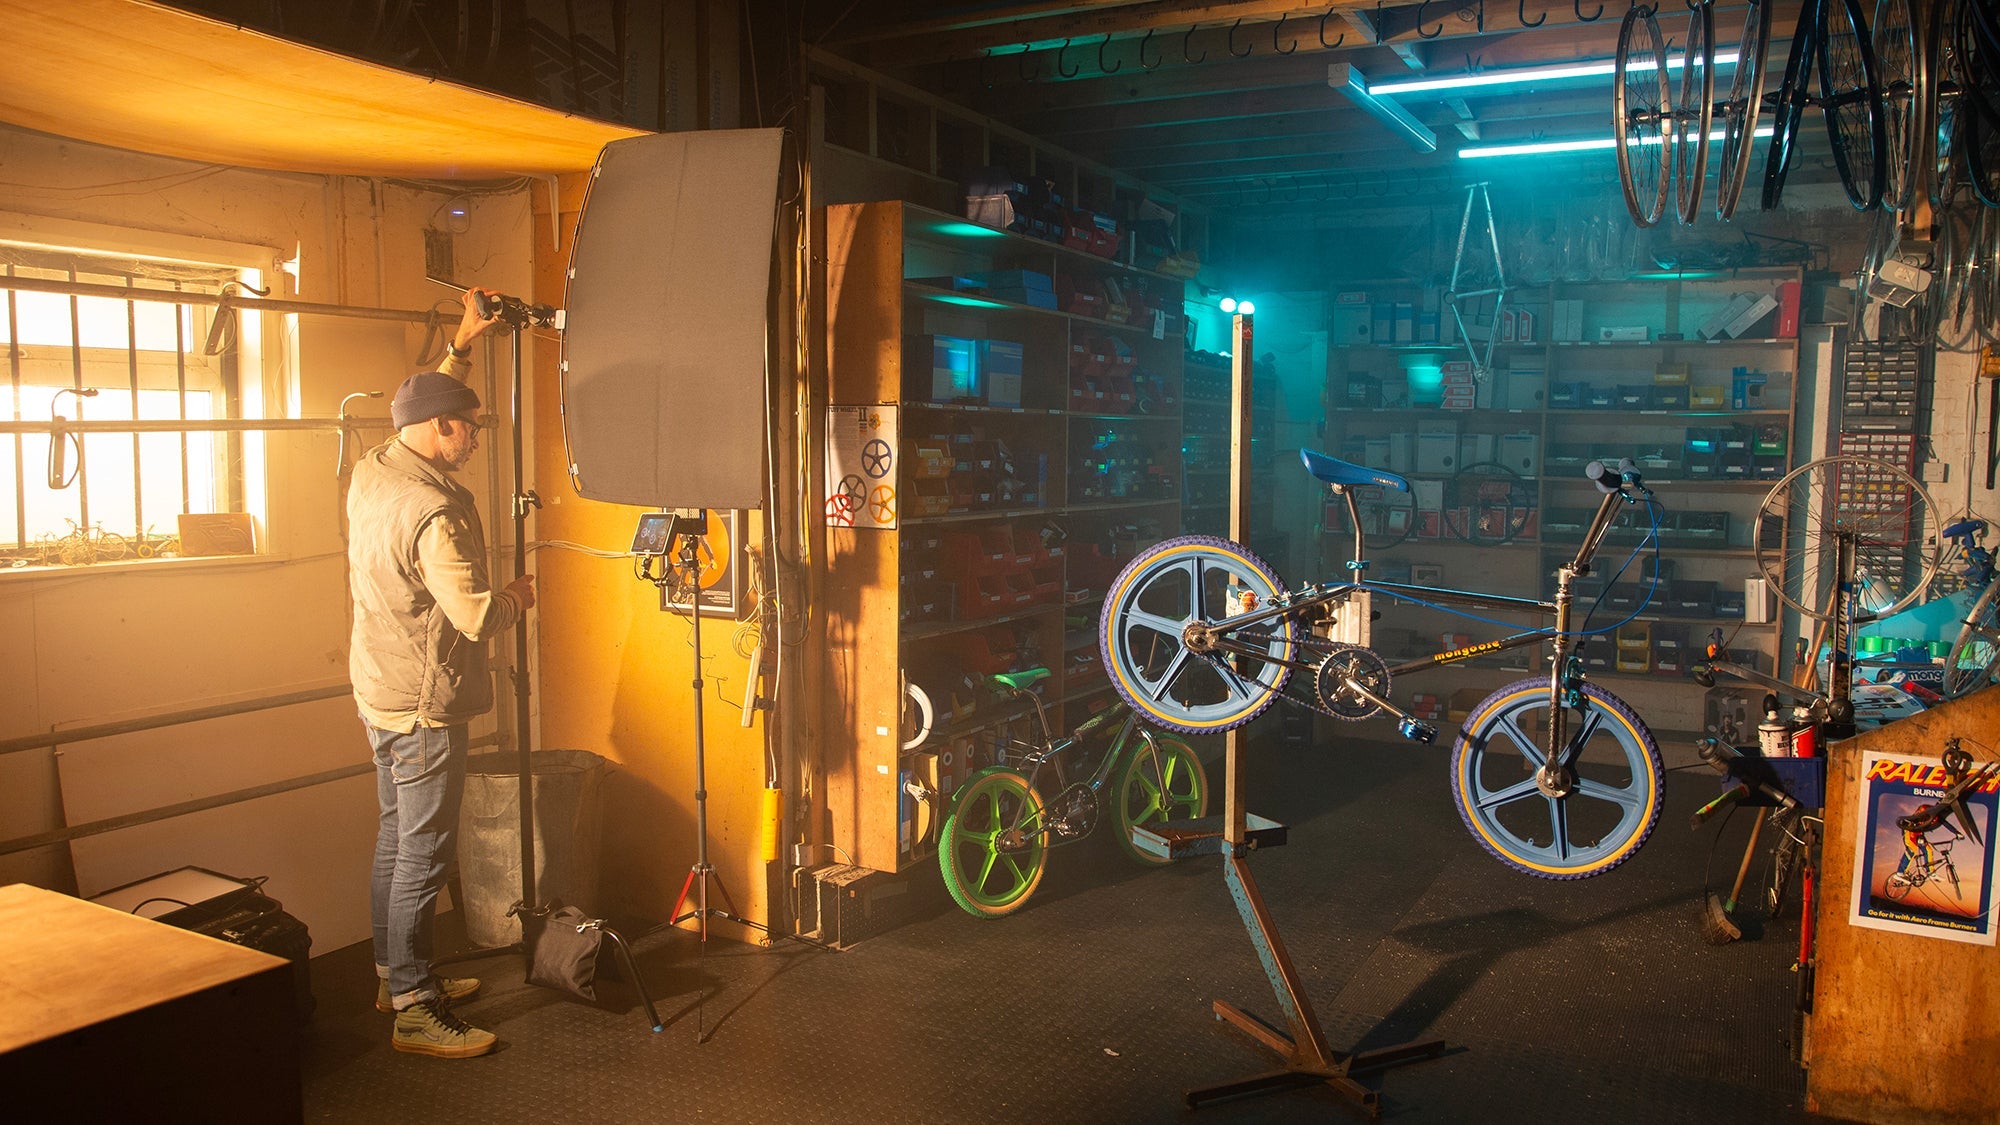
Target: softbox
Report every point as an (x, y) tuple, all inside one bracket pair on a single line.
[(663, 368)]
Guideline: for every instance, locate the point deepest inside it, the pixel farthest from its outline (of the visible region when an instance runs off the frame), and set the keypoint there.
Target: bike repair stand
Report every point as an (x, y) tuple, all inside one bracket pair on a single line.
[(1236, 833)]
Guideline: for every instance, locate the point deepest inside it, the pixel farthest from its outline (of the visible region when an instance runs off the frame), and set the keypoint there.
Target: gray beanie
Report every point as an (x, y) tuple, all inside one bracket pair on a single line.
[(428, 394)]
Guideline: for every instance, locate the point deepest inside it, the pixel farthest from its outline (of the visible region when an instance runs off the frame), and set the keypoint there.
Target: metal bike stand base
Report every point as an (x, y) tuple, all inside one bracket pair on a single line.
[(1307, 1060)]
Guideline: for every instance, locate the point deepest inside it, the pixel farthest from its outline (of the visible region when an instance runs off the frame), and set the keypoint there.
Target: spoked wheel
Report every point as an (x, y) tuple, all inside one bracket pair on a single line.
[(1900, 59), (1694, 111), (1943, 95), (1388, 516), (1156, 643), (1641, 111), (1741, 112), (1488, 504), (1887, 510), (991, 850), (1850, 93), (1173, 788), (1791, 105), (1975, 655), (1899, 885), (1583, 817)]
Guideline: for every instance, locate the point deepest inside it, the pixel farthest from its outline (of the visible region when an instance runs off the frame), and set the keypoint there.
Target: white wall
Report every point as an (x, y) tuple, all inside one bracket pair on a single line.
[(129, 640)]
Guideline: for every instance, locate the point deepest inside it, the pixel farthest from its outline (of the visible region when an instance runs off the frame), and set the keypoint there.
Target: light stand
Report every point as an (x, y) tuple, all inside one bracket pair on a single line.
[(532, 912)]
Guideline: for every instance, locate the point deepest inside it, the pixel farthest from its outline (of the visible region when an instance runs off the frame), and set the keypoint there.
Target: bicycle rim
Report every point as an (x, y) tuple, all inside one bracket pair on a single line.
[(984, 880), (1488, 504), (1641, 109), (1177, 790), (1601, 822), (1183, 581), (1743, 109), (1886, 509), (1851, 98), (1900, 65), (1791, 105), (1694, 112), (1975, 653)]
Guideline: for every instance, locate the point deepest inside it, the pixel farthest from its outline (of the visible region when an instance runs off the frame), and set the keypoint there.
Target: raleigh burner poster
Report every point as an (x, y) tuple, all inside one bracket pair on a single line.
[(1917, 871)]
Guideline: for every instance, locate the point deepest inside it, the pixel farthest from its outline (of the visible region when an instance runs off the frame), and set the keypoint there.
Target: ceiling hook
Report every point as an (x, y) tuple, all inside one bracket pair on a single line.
[(1247, 47), (1187, 39), (1102, 69), (1157, 62), (1592, 18), (1521, 14), (985, 71), (1275, 29), (1343, 35), (1481, 25), (1267, 189), (1070, 73), (1028, 77), (1421, 34)]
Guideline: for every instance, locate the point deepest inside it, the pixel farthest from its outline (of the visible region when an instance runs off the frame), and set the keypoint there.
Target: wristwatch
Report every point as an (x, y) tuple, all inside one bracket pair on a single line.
[(451, 349)]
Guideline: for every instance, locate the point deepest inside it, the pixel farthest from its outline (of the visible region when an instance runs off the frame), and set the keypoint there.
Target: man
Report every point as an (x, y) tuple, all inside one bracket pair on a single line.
[(424, 613)]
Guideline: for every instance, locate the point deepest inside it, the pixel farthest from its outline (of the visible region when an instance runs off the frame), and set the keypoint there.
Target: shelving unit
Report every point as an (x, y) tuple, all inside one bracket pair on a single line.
[(1709, 444), (1012, 518)]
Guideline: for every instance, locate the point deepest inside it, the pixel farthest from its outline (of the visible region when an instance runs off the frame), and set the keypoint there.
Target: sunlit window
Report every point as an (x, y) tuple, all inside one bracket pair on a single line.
[(75, 354)]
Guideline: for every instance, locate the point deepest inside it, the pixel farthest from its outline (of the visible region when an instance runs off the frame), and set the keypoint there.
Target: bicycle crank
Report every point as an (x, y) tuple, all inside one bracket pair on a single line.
[(1353, 683)]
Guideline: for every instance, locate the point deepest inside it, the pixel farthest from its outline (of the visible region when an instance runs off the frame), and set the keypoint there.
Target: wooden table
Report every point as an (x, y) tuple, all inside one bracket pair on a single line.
[(108, 1016)]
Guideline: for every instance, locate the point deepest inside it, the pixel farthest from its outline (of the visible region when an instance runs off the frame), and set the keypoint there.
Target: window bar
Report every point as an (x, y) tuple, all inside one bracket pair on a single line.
[(20, 462), (181, 315), (132, 362), (82, 478)]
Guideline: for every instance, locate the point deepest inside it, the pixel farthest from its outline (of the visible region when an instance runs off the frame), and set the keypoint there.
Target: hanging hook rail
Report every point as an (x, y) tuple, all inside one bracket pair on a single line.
[(1521, 13), (1275, 29), (1028, 77), (1071, 72), (1592, 18), (1101, 68), (1142, 52), (1421, 33), (1343, 35), (1187, 39), (1247, 47)]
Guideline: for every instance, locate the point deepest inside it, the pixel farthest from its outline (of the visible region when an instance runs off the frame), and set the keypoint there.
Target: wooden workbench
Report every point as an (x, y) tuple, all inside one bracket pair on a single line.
[(1905, 1029), (105, 1016)]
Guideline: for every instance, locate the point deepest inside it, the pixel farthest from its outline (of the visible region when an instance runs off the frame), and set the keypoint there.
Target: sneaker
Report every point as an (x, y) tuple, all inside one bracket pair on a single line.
[(428, 1027), (453, 989)]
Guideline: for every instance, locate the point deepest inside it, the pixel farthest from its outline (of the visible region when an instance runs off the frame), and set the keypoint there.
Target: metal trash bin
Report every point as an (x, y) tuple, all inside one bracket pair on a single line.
[(566, 827)]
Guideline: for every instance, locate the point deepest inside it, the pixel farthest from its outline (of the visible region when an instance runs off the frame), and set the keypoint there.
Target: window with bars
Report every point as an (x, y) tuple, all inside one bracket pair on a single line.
[(163, 360)]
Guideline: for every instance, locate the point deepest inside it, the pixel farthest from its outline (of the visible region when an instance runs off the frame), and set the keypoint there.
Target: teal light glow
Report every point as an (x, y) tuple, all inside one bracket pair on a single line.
[(969, 302), (1246, 308), (967, 230), (1521, 76), (1585, 144), (1227, 304)]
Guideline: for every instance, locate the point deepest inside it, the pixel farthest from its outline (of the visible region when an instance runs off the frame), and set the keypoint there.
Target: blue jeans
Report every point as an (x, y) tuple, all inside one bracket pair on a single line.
[(419, 779)]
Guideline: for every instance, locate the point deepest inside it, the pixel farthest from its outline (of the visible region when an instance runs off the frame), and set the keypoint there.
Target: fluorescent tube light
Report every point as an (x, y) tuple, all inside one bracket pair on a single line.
[(1584, 144), (1521, 76)]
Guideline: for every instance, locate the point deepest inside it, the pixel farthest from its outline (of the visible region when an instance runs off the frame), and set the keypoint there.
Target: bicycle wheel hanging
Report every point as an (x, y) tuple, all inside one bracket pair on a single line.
[(1941, 98), (1598, 821), (1488, 504), (1886, 509), (1641, 112), (1975, 654), (1155, 646), (1900, 61), (1174, 788), (1740, 113), (991, 850), (1790, 107), (1850, 95), (1694, 112), (1388, 516)]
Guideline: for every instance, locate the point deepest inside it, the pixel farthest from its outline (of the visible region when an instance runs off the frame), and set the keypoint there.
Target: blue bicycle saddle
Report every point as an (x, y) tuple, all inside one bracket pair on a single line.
[(1333, 470)]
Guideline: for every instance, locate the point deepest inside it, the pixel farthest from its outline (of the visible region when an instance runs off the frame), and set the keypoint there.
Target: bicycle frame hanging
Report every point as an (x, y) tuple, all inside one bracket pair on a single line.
[(1482, 361)]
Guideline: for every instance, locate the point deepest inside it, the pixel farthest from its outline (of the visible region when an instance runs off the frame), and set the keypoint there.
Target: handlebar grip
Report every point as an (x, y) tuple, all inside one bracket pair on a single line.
[(1603, 476), (485, 306)]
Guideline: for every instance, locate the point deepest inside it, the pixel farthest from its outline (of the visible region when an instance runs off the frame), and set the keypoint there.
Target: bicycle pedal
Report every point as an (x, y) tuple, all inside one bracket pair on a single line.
[(1417, 731)]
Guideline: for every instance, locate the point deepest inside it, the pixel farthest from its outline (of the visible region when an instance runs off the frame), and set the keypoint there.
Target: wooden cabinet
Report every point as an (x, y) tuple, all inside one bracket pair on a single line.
[(1032, 394)]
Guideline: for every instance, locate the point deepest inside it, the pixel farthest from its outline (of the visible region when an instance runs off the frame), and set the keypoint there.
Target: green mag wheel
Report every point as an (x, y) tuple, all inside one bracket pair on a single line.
[(1177, 789), (991, 850)]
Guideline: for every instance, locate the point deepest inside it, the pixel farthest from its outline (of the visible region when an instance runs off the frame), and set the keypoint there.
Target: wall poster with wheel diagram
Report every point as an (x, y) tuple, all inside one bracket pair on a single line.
[(1918, 869), (861, 467), (724, 559)]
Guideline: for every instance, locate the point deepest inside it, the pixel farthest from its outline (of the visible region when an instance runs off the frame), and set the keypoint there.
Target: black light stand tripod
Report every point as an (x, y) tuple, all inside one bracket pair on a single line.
[(533, 913)]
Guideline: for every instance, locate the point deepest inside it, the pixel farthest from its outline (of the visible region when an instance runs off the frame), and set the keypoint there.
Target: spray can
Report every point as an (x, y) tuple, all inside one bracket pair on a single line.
[(1774, 734)]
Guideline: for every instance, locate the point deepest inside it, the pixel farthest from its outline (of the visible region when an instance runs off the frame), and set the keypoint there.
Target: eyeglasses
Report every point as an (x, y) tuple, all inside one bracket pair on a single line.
[(469, 423)]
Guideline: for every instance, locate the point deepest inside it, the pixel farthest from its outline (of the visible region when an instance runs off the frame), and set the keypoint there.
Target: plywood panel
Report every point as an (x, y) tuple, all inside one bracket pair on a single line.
[(1905, 1029), (150, 78)]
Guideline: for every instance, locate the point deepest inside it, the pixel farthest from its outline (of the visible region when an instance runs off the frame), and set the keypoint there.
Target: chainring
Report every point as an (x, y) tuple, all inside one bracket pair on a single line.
[(1356, 662)]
